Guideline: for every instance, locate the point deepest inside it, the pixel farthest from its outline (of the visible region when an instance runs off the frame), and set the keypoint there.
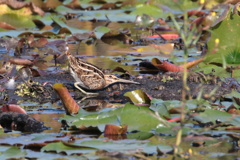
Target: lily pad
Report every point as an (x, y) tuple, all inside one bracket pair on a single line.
[(139, 118), (91, 145), (100, 31), (60, 147), (138, 97), (211, 115), (12, 152), (148, 9), (159, 106)]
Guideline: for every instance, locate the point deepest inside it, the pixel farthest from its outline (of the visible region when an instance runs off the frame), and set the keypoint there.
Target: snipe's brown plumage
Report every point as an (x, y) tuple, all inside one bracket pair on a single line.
[(89, 77)]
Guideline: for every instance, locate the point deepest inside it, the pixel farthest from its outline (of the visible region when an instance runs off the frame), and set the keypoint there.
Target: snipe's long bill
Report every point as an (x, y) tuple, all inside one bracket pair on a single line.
[(89, 77)]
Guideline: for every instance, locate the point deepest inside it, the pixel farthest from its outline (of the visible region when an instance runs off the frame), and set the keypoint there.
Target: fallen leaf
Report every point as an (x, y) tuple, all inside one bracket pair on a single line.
[(39, 43), (165, 36), (193, 63), (166, 66), (4, 25), (70, 105), (13, 108), (138, 97), (18, 5), (115, 129), (19, 61)]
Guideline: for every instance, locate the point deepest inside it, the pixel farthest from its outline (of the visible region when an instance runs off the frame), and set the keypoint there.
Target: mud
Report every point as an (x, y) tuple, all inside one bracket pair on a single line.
[(166, 86)]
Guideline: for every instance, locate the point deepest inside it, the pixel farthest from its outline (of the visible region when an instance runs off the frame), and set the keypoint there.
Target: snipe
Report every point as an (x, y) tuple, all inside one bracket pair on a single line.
[(89, 78)]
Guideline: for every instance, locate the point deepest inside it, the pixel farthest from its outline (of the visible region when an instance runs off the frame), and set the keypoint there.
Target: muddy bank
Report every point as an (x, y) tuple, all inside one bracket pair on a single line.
[(166, 86)]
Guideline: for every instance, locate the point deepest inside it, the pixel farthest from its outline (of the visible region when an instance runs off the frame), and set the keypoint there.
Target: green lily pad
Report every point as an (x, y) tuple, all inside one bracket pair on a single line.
[(100, 31), (211, 115), (173, 130), (139, 118), (159, 106), (91, 145), (17, 21), (12, 152), (94, 119), (140, 135), (148, 9), (60, 147), (73, 30)]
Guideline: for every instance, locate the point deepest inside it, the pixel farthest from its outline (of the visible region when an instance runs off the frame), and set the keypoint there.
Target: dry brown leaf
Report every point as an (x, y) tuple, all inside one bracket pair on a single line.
[(71, 107), (74, 4), (166, 66), (115, 129), (14, 4), (39, 43), (193, 63), (19, 61)]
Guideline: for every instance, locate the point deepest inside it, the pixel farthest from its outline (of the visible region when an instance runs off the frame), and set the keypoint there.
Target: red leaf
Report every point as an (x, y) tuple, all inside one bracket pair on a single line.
[(166, 66), (4, 25), (177, 119), (165, 36), (13, 108)]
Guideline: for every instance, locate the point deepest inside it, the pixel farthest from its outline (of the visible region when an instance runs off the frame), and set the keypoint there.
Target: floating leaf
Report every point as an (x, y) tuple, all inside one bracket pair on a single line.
[(70, 105), (159, 106), (165, 36), (100, 31), (111, 129), (60, 22), (61, 147), (148, 9), (139, 118), (87, 119), (13, 153), (6, 26), (211, 115), (138, 97), (13, 108), (17, 21), (91, 145), (140, 135), (166, 66), (136, 117)]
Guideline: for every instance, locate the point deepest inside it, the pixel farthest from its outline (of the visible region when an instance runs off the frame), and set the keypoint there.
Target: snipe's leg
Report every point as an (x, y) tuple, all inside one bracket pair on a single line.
[(90, 94)]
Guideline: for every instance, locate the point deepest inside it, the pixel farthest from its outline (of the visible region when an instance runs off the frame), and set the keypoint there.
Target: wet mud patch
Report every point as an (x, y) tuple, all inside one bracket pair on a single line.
[(166, 86)]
